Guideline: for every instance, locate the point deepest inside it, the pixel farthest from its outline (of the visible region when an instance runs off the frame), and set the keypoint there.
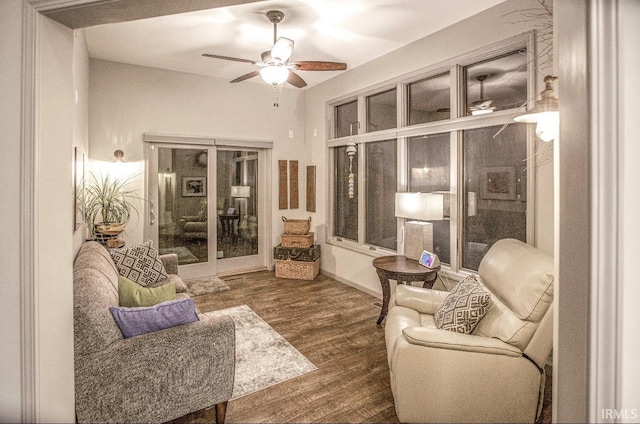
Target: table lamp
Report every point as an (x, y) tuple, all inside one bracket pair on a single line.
[(419, 207)]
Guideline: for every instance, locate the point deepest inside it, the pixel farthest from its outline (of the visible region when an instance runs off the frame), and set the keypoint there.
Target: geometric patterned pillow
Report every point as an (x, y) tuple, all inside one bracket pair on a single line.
[(464, 307), (139, 263)]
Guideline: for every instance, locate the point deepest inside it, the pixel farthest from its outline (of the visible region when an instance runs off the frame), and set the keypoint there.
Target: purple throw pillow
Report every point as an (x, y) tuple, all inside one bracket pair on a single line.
[(137, 321)]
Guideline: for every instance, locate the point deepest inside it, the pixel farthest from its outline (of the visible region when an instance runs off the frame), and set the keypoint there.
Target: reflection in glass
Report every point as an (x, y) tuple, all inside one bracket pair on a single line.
[(345, 115), (429, 171), (381, 186), (497, 84), (382, 111), (236, 203), (495, 189), (182, 204), (346, 209), (429, 99)]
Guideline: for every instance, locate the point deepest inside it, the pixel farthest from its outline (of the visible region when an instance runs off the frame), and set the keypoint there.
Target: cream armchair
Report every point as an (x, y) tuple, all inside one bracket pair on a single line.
[(494, 374)]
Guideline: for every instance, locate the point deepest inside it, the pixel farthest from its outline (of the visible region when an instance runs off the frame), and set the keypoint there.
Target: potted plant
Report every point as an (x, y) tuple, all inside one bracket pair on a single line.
[(109, 204)]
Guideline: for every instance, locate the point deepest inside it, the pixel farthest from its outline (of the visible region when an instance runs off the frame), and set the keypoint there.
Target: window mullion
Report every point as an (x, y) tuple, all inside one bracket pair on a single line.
[(457, 187)]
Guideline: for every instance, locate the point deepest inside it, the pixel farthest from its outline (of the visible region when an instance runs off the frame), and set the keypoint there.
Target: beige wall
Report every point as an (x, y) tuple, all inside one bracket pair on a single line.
[(485, 28), (80, 109), (10, 103), (54, 290), (127, 101)]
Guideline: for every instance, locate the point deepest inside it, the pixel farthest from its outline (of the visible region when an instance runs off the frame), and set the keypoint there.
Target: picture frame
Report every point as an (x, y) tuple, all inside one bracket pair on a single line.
[(194, 186), (498, 183), (311, 188)]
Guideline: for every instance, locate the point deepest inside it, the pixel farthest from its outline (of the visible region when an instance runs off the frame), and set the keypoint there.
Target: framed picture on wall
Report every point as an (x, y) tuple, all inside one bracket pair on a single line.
[(194, 186), (499, 182)]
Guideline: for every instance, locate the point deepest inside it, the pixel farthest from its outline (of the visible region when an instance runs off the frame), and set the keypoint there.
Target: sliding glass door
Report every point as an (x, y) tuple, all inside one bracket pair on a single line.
[(205, 206)]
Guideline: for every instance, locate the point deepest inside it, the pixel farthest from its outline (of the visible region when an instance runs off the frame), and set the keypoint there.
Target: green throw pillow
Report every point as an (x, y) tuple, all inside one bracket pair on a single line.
[(133, 294)]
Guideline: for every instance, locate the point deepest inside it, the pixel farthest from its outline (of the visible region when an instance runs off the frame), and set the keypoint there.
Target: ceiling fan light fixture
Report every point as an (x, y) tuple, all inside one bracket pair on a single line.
[(274, 75), (282, 49), (476, 112)]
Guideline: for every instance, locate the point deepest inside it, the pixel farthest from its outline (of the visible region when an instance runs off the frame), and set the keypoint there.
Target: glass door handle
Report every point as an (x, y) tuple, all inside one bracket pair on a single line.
[(152, 213)]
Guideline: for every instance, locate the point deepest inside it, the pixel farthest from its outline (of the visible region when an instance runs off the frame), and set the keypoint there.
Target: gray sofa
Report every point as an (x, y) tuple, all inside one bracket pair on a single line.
[(154, 377)]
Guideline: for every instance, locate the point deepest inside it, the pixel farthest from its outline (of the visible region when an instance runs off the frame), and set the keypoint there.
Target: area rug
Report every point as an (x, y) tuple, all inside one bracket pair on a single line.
[(263, 357), (205, 285), (185, 257)]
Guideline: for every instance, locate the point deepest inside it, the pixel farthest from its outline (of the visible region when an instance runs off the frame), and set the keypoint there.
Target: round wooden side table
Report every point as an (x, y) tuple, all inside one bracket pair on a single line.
[(403, 270)]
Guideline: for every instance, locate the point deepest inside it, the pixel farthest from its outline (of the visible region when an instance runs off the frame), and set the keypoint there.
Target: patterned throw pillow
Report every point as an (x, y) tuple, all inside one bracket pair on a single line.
[(464, 307), (139, 263)]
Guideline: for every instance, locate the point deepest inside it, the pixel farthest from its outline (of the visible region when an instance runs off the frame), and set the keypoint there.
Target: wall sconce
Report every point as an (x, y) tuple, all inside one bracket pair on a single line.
[(351, 151), (118, 155), (545, 113), (419, 207)]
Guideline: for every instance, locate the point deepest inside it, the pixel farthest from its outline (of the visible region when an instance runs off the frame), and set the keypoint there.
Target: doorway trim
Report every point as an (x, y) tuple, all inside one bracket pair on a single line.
[(265, 146)]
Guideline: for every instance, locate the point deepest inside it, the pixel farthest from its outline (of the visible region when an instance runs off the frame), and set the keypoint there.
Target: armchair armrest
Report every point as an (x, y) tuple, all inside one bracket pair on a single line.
[(170, 262), (183, 368), (422, 300), (445, 339)]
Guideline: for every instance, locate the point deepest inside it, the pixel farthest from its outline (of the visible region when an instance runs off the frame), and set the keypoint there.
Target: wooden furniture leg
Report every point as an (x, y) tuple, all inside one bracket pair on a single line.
[(221, 411), (386, 294)]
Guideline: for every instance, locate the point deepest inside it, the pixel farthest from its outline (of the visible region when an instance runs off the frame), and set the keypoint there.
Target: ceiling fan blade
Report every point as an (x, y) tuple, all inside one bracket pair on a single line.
[(282, 49), (320, 66), (295, 80), (235, 59), (247, 76)]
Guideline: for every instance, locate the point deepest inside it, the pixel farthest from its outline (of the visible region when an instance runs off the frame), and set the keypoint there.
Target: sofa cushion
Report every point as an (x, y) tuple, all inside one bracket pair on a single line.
[(137, 321), (464, 307), (139, 263), (132, 294)]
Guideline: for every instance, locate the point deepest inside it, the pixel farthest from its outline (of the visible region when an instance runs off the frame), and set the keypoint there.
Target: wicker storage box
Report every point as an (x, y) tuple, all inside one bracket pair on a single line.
[(296, 226), (297, 270), (297, 254), (297, 240)]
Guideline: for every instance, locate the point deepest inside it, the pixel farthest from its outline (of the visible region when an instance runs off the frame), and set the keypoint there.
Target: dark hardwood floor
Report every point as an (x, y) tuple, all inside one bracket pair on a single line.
[(334, 326)]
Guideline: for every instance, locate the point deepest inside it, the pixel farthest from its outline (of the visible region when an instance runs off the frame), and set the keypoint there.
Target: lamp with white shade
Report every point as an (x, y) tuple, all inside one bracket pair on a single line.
[(418, 208), (242, 193)]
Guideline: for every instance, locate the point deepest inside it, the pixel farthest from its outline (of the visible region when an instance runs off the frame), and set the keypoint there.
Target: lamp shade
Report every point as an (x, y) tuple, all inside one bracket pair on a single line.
[(241, 191), (420, 206), (274, 74)]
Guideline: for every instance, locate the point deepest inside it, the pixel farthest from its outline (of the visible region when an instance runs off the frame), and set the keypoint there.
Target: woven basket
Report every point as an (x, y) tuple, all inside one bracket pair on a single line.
[(296, 226), (297, 240), (297, 270)]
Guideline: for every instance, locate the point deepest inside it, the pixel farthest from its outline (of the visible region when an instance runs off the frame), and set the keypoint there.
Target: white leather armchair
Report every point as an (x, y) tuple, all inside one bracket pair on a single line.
[(494, 374)]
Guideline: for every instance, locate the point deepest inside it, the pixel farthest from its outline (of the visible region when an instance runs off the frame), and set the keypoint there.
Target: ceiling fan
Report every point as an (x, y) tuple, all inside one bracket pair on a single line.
[(275, 68), (481, 106)]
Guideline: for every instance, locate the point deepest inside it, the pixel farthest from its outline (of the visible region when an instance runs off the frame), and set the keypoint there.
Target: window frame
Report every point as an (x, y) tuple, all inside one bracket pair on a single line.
[(455, 125)]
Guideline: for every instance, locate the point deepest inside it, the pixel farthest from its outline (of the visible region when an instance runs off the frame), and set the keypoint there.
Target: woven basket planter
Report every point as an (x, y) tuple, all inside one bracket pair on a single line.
[(297, 270), (296, 226)]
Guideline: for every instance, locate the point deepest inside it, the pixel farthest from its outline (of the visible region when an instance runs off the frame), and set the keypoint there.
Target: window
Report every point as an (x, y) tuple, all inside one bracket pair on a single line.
[(346, 208), (381, 183), (495, 189), (430, 171), (429, 99), (382, 111), (497, 84), (458, 142), (346, 114)]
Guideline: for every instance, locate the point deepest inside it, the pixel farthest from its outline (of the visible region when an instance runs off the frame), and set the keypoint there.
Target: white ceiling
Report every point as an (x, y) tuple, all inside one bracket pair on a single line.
[(350, 31)]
